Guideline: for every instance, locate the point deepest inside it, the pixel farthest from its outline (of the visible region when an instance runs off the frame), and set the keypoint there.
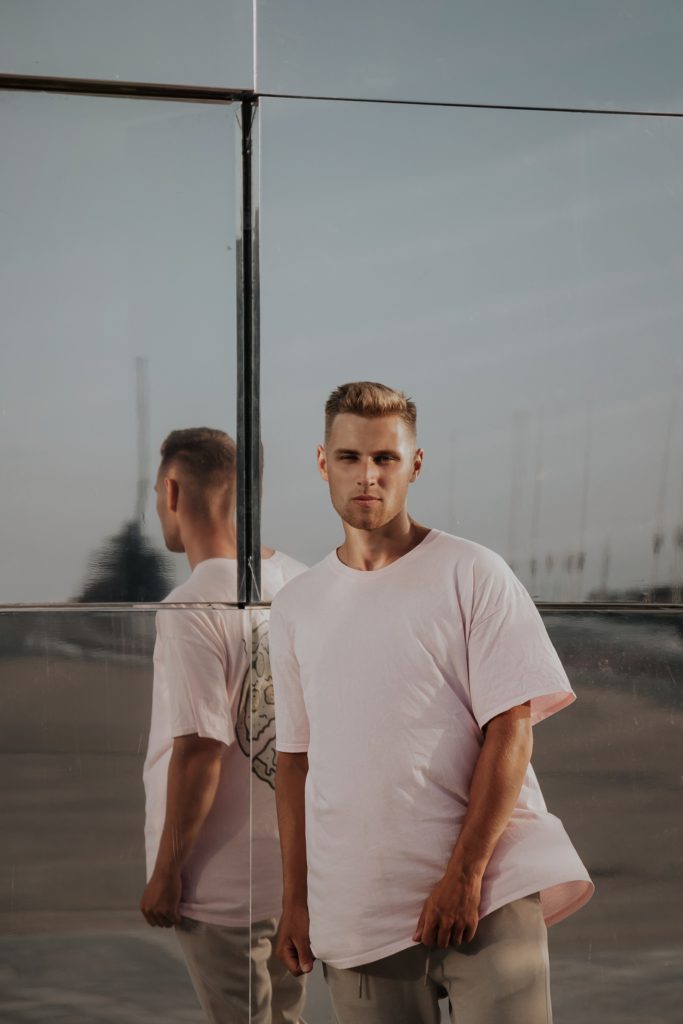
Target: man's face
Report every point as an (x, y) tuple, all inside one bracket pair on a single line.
[(165, 488), (369, 465)]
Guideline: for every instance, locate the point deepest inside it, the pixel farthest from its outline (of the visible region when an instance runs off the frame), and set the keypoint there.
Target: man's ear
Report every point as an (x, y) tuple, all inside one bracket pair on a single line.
[(172, 491), (322, 462), (417, 464)]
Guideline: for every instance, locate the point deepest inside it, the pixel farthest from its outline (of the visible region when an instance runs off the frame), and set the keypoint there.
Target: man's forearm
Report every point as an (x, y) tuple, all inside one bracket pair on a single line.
[(290, 784), (496, 783), (193, 775)]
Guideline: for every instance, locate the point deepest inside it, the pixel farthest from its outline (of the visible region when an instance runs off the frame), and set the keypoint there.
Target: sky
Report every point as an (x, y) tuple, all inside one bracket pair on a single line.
[(517, 273)]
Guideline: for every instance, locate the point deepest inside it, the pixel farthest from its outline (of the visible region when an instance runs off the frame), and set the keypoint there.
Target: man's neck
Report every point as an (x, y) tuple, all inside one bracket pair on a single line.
[(199, 549), (201, 545), (373, 549)]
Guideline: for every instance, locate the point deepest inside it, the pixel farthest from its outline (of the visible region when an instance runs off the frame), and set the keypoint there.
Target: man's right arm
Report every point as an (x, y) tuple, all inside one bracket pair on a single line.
[(293, 945)]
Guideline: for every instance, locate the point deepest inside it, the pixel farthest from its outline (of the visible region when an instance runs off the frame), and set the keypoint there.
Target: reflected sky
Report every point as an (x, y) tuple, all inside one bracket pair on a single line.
[(208, 42), (118, 224), (519, 275), (613, 54)]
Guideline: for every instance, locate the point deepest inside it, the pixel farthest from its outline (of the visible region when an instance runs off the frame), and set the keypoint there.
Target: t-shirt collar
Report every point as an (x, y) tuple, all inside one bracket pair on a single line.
[(334, 562)]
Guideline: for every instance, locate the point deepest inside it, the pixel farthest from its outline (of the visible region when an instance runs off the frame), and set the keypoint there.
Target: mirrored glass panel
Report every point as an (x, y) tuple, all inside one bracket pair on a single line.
[(209, 42), (606, 55), (518, 275), (118, 298), (609, 769), (87, 750)]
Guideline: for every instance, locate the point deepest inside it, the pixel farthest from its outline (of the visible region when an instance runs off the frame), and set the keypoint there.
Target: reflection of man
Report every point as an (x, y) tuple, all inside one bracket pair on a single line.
[(212, 713), (409, 666)]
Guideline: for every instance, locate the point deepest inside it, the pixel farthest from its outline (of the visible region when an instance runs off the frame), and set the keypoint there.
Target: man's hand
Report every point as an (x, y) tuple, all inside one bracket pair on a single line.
[(450, 913), (293, 945), (161, 898)]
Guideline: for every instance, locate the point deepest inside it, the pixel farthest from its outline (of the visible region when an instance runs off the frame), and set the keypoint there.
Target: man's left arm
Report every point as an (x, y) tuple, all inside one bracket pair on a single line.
[(450, 913), (193, 774)]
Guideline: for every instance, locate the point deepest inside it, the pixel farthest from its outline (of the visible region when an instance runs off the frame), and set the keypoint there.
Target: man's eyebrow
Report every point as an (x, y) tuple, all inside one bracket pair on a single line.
[(345, 451)]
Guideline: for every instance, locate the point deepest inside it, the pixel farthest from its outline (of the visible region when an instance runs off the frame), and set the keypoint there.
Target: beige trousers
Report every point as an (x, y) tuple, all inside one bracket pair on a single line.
[(501, 977), (221, 960)]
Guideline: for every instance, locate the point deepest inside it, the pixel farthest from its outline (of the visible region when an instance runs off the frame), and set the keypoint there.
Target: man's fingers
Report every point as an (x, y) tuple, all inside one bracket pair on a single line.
[(160, 918), (429, 928), (463, 933), (305, 956), (417, 934), (443, 936), (290, 957)]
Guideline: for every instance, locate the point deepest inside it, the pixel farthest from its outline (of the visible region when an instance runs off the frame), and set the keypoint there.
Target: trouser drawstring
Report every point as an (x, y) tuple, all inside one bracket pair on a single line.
[(429, 953)]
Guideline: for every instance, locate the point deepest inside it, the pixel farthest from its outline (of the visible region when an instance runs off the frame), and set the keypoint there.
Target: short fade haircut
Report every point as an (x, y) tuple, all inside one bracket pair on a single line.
[(206, 455), (370, 399)]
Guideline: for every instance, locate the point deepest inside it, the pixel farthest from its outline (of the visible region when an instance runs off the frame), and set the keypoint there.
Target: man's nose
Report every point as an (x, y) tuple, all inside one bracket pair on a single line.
[(368, 474)]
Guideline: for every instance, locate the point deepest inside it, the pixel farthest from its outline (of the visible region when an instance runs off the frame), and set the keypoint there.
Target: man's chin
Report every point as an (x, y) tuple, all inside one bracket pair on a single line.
[(363, 520)]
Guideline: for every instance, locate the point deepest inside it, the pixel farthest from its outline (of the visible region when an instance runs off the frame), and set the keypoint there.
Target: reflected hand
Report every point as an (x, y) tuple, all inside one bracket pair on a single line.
[(450, 913), (161, 898), (293, 945)]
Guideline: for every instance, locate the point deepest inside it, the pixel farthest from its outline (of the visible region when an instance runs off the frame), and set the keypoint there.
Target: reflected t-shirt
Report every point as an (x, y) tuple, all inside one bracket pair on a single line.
[(212, 677), (386, 678)]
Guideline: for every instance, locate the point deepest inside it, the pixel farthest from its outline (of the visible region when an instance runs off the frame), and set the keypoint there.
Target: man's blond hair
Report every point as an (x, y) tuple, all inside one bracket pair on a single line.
[(367, 398)]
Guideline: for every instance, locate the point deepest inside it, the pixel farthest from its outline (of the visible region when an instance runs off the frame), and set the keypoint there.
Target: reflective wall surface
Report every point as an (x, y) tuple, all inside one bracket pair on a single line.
[(615, 54), (75, 703), (118, 325), (207, 43), (518, 275)]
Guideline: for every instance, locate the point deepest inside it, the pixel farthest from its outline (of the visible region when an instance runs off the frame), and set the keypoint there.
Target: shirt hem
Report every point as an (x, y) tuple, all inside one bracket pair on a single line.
[(564, 699), (581, 898), (292, 748), (206, 732), (371, 956), (226, 920)]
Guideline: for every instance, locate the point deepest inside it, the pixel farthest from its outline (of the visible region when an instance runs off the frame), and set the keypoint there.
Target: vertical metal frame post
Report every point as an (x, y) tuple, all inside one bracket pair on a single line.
[(248, 367)]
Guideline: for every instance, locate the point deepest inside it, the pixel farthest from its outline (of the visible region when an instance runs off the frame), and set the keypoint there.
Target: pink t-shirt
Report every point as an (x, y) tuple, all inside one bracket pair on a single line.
[(212, 677), (386, 679)]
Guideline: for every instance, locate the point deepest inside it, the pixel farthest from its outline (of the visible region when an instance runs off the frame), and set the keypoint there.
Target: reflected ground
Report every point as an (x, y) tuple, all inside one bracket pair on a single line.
[(75, 701)]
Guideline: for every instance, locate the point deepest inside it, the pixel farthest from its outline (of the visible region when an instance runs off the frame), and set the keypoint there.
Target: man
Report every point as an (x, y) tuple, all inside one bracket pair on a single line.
[(409, 667), (213, 863)]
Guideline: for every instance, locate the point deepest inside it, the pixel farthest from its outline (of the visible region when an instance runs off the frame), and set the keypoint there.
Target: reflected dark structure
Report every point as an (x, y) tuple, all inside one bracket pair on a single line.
[(127, 568), (74, 713)]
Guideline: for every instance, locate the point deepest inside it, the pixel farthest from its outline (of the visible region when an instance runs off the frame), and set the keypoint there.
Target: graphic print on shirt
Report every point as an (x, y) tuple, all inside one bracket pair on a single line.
[(256, 713)]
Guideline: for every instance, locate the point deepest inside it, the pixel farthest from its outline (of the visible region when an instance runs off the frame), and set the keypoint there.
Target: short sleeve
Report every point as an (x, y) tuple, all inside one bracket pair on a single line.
[(511, 659), (194, 661), (291, 719)]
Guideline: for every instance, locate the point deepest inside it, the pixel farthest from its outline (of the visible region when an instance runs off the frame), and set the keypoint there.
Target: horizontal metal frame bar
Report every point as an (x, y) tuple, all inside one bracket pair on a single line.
[(543, 607), (122, 90), (456, 105), (214, 94), (11, 609)]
